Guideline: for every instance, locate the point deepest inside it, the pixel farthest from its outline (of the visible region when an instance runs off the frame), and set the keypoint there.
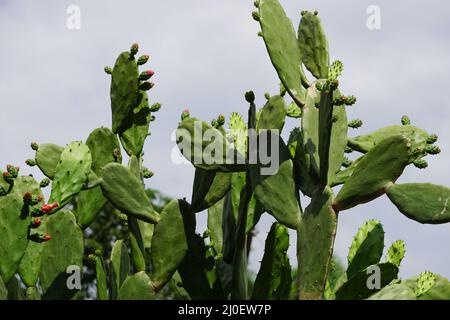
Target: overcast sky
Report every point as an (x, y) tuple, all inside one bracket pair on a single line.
[(206, 54)]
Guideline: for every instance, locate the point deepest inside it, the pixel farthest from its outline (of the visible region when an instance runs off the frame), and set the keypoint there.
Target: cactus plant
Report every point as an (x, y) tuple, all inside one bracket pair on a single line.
[(244, 170)]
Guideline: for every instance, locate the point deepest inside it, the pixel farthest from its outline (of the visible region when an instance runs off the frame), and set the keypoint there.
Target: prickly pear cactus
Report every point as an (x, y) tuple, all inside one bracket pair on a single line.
[(244, 169)]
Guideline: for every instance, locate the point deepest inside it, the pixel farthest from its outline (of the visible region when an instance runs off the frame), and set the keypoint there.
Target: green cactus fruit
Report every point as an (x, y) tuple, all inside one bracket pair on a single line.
[(168, 243), (119, 266), (14, 223), (281, 43), (30, 162), (108, 70), (294, 111), (406, 121), (102, 143), (220, 186), (366, 248), (311, 137), (194, 139), (215, 215), (433, 150), (420, 163), (380, 167), (47, 158), (44, 182), (142, 60), (357, 287), (315, 239), (62, 257), (396, 252), (410, 198), (126, 192), (365, 143), (355, 124), (124, 91), (432, 139), (273, 115), (133, 138), (277, 192), (274, 280), (313, 45), (136, 287), (71, 172)]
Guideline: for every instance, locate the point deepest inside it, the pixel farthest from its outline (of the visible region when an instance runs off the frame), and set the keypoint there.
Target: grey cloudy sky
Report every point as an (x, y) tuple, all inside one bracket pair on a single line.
[(206, 54)]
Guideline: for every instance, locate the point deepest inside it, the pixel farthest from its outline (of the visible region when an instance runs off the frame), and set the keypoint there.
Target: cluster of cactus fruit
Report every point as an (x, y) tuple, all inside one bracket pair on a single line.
[(41, 240)]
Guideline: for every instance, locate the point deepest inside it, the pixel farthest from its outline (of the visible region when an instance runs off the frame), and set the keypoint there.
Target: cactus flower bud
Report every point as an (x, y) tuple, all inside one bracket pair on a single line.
[(347, 162), (30, 162), (146, 85), (433, 150), (44, 182), (214, 123), (8, 177), (405, 120), (36, 222), (355, 124), (27, 197), (34, 146), (147, 174), (255, 15), (155, 107), (142, 60), (420, 163), (134, 49), (14, 171), (36, 212), (46, 237), (185, 114), (350, 100), (221, 120), (108, 70), (250, 96), (432, 139), (145, 75), (334, 84)]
